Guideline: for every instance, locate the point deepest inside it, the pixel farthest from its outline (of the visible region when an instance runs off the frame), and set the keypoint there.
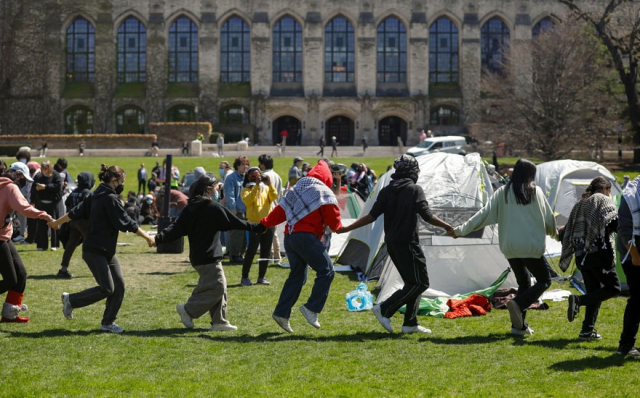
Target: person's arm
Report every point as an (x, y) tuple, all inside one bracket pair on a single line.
[(249, 195), (277, 216), (150, 241), (174, 231), (486, 216), (55, 185), (229, 193), (361, 222), (549, 218), (57, 223), (331, 216), (118, 216), (272, 195), (18, 203)]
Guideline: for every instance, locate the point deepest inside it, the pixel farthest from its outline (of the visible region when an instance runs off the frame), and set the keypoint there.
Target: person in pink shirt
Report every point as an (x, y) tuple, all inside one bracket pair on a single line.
[(14, 274)]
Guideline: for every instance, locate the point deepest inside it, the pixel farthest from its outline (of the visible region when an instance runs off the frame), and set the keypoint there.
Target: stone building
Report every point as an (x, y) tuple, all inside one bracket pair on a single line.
[(344, 68)]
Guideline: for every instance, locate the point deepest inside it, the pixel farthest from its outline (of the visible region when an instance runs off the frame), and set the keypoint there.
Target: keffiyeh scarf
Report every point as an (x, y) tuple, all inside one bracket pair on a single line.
[(306, 197), (587, 223)]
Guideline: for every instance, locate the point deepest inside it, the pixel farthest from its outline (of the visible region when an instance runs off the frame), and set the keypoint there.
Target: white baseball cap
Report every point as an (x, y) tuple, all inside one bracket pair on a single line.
[(22, 168)]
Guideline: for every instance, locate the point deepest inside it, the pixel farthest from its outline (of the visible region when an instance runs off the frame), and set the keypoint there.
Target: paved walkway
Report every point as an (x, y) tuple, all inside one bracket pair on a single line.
[(231, 151)]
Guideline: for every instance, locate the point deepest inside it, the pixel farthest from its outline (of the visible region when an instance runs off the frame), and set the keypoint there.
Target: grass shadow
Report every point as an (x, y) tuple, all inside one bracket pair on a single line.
[(277, 337), (53, 333), (54, 277), (161, 273), (464, 340), (592, 362)]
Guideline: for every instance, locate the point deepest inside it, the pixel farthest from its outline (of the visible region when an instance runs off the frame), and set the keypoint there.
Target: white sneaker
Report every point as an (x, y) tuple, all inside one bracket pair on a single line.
[(385, 322), (54, 249), (415, 329), (67, 309), (113, 328), (522, 332), (223, 327), (310, 316), (283, 322), (186, 319), (516, 315)]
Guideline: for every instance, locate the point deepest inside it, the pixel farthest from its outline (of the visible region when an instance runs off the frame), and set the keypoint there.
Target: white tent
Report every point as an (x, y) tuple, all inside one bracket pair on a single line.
[(564, 182), (455, 187)]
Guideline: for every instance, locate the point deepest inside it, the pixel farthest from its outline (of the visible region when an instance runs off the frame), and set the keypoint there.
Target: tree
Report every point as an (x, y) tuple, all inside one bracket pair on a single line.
[(617, 23), (552, 95)]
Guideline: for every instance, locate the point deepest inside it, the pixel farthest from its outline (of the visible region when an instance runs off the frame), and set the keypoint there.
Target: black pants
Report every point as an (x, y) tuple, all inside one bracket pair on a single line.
[(77, 231), (14, 274), (632, 310), (601, 282), (265, 240), (142, 186), (32, 230), (527, 294), (108, 274), (42, 234), (412, 267)]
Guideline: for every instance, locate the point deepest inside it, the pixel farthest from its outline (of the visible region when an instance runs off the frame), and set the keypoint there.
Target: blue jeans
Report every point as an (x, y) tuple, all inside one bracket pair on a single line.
[(304, 248)]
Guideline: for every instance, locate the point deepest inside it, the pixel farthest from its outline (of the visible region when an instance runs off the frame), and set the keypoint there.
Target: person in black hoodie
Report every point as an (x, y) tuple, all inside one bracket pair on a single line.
[(77, 229), (400, 202), (202, 220), (46, 193), (107, 217)]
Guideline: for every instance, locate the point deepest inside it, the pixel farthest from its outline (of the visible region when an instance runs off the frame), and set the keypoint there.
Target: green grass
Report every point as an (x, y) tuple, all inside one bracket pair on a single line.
[(351, 355)]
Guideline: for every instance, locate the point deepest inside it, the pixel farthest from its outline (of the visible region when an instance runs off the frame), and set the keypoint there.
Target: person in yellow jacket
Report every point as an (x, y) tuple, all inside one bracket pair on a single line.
[(257, 194)]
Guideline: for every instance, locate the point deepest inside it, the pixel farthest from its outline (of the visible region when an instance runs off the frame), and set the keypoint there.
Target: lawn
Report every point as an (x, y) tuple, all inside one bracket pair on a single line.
[(351, 355)]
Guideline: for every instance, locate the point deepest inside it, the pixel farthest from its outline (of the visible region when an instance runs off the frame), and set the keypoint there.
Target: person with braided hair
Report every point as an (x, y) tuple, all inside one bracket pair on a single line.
[(588, 235), (401, 202)]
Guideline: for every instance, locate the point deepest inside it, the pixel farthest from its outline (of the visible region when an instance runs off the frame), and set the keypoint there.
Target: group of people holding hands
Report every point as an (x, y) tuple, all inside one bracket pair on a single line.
[(311, 213)]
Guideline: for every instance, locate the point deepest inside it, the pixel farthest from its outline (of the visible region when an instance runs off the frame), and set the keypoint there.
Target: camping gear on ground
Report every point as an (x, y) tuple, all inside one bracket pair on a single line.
[(360, 299), (456, 187)]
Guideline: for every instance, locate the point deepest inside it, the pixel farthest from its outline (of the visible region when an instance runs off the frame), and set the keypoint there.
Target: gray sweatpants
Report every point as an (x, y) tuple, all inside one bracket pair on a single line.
[(210, 295)]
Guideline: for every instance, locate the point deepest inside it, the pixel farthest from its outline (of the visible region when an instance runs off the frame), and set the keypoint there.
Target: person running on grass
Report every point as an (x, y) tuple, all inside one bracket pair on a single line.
[(401, 202), (14, 274), (309, 208), (202, 220), (524, 217), (587, 235), (107, 217)]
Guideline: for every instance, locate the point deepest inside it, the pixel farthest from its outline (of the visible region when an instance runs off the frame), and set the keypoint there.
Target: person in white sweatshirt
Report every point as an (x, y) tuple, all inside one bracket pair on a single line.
[(524, 217)]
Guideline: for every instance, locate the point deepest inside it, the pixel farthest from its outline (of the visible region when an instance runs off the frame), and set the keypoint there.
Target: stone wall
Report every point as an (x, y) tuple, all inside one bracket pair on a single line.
[(34, 94)]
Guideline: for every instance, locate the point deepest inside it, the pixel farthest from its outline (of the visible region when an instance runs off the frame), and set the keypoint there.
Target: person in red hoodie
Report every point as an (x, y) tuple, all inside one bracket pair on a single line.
[(310, 210), (14, 274)]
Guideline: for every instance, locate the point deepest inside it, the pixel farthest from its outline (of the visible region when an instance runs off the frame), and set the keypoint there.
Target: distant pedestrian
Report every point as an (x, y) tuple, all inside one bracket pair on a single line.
[(423, 136), (185, 148), (495, 162), (46, 193), (365, 144), (321, 144), (220, 144), (142, 178), (81, 147), (284, 136), (43, 149), (299, 137), (334, 146)]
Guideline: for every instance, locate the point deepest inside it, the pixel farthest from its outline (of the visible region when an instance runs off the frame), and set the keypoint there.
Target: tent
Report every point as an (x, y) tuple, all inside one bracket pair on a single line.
[(564, 182), (350, 205), (455, 187)]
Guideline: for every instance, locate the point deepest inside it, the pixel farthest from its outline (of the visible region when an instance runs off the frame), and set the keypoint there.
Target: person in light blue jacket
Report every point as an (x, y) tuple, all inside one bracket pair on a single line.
[(237, 241)]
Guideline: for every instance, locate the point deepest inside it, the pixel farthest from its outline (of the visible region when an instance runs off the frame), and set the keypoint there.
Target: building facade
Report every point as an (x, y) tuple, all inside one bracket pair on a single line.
[(345, 68)]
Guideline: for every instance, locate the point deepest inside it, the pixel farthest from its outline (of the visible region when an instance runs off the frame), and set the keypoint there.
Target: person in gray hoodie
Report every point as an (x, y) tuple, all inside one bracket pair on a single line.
[(76, 229)]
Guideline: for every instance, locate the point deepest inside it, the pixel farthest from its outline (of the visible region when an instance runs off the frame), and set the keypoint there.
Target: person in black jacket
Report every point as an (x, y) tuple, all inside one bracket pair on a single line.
[(46, 193), (77, 229), (400, 202), (202, 220), (107, 217)]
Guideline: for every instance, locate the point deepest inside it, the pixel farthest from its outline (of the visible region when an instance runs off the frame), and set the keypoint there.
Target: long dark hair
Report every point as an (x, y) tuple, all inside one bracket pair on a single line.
[(598, 184), (11, 174), (523, 182), (108, 174), (198, 189)]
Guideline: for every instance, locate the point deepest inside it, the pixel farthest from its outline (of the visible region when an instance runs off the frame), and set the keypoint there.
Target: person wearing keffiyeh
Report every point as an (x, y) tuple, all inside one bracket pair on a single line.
[(588, 236), (311, 212)]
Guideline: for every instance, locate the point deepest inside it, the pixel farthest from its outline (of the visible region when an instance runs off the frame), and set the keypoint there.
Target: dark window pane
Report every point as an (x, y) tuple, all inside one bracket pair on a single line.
[(443, 57), (339, 50), (235, 51), (80, 51), (131, 51), (392, 51)]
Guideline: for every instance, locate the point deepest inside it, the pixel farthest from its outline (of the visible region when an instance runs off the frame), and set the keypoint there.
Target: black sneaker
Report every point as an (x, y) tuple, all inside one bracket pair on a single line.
[(633, 352), (573, 309), (64, 274), (592, 335)]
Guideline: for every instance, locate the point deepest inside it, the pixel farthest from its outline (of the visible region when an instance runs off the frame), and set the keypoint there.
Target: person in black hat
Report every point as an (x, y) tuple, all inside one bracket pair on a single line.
[(400, 202), (295, 172)]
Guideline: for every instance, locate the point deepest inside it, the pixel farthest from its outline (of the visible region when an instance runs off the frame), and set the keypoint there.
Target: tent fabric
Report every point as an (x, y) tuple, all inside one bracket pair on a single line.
[(455, 187)]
